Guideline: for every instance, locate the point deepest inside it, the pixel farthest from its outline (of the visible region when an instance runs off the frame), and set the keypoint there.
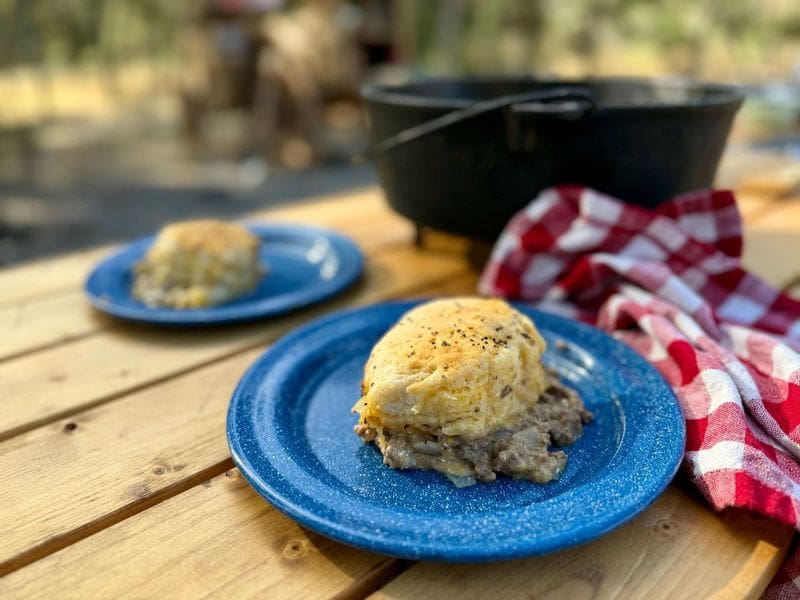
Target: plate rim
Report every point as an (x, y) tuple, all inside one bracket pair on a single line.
[(352, 267), (417, 550)]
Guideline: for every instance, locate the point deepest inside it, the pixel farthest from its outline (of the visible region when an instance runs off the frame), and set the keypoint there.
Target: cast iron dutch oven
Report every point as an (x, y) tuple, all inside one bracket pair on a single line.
[(464, 155)]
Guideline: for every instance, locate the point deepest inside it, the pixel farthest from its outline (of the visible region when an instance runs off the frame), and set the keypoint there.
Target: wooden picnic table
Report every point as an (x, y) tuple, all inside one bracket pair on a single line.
[(116, 479)]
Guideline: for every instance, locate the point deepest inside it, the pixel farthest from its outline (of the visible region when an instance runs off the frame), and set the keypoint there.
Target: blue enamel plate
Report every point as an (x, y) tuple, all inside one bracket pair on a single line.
[(304, 265), (290, 430)]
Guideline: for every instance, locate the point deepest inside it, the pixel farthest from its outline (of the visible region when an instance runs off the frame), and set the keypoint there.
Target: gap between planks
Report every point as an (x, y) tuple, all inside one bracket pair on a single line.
[(201, 542), (110, 464), (758, 545), (66, 317), (662, 552), (241, 339), (59, 379), (58, 542), (32, 325), (43, 277), (678, 547)]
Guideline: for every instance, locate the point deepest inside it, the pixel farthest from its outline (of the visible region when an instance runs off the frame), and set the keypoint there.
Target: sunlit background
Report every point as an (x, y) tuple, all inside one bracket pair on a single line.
[(119, 115)]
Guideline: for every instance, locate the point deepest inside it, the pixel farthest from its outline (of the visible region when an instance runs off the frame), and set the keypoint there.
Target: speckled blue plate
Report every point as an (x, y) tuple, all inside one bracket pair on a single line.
[(290, 432), (305, 265)]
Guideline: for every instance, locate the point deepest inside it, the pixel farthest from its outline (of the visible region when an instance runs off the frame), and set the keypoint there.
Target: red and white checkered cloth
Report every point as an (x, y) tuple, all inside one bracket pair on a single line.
[(668, 282)]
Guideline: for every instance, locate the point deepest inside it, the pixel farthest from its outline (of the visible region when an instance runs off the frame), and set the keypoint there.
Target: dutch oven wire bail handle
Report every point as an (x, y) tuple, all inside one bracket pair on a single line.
[(568, 103)]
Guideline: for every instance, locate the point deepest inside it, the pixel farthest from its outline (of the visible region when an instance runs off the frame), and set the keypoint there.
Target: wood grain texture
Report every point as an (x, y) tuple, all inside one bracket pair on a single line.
[(63, 479), (128, 496), (677, 548), (63, 314), (36, 323), (219, 539), (68, 479), (61, 380), (43, 277)]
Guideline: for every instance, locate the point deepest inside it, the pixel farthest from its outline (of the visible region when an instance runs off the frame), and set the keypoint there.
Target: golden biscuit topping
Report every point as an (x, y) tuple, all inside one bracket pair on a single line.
[(465, 365)]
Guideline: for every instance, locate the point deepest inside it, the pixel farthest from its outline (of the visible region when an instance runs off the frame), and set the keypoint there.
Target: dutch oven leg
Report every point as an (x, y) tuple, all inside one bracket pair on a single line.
[(419, 233)]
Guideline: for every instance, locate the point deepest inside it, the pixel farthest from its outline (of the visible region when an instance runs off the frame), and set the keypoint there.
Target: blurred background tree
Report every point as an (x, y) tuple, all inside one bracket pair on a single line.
[(722, 39), (100, 97), (68, 32), (689, 36), (92, 59)]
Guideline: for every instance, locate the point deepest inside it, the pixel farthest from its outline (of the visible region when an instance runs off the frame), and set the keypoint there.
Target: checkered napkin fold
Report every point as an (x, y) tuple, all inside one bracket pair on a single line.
[(669, 283)]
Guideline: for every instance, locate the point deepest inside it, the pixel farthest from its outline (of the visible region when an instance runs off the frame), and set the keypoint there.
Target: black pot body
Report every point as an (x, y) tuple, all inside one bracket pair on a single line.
[(644, 142)]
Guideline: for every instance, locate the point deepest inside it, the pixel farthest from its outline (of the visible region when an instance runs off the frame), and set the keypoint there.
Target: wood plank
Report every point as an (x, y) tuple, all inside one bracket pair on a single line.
[(740, 163), (777, 182), (43, 277), (63, 379), (676, 548), (113, 460), (772, 254), (753, 207), (219, 539), (35, 323), (780, 216), (69, 477)]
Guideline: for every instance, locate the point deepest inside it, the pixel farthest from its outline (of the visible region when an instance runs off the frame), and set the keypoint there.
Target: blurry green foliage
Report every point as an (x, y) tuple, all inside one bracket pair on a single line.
[(55, 32), (440, 35), (515, 35)]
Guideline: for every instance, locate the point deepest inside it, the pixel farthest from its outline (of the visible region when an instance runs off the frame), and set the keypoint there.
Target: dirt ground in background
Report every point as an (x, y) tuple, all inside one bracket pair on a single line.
[(76, 183)]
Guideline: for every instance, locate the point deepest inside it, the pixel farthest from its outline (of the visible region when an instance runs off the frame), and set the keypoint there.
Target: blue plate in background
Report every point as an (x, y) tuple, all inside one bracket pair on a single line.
[(290, 430), (304, 265)]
